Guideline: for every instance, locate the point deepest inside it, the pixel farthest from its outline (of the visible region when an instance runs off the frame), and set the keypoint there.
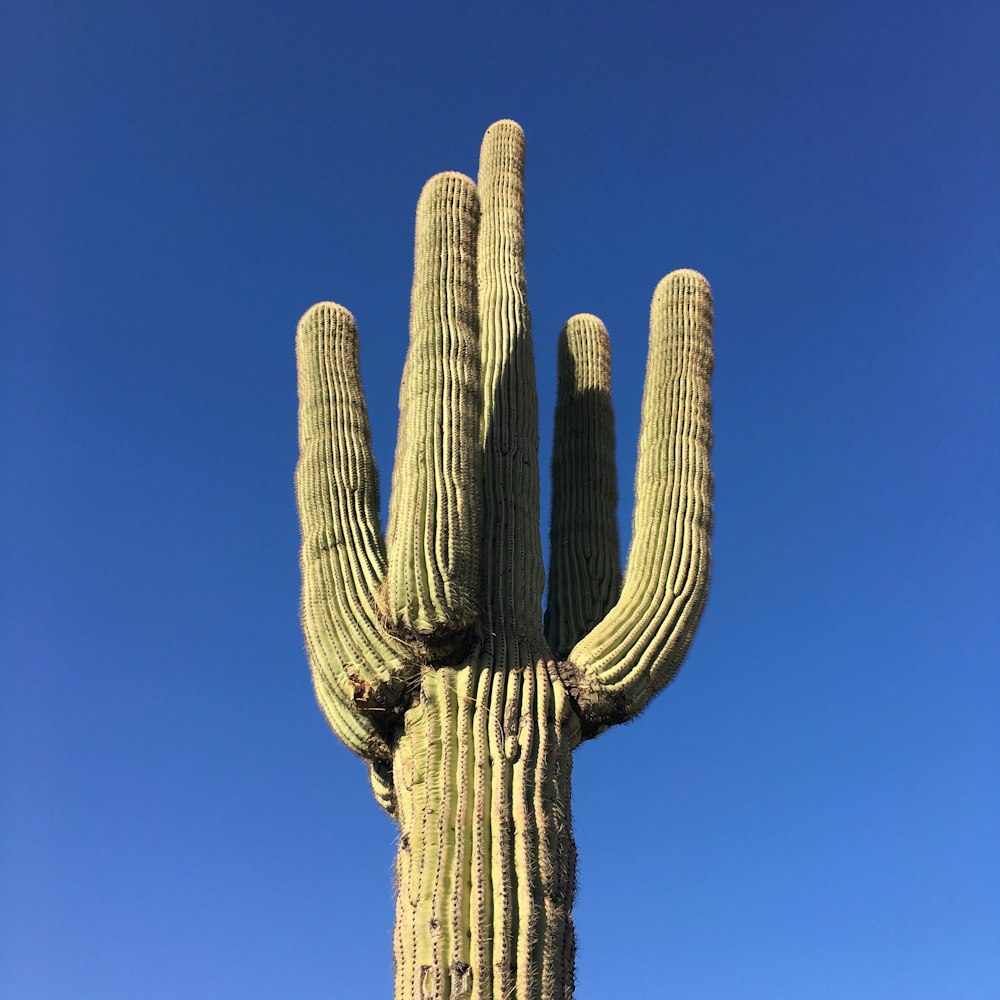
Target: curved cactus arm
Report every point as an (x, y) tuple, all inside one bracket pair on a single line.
[(639, 645), (431, 590), (513, 577), (357, 670), (584, 558), (380, 776)]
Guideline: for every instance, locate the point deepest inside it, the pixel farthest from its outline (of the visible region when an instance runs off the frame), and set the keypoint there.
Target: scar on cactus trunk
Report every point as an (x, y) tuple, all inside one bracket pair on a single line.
[(428, 648)]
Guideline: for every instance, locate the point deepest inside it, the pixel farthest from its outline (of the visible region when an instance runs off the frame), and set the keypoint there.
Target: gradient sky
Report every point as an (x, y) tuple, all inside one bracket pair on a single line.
[(811, 811)]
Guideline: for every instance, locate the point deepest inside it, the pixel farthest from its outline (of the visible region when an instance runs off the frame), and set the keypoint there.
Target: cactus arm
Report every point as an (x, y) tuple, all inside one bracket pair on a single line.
[(380, 776), (357, 671), (512, 556), (639, 645), (584, 560), (432, 584)]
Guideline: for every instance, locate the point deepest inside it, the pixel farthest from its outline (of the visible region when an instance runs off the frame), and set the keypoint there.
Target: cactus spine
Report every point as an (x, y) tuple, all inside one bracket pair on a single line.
[(428, 651)]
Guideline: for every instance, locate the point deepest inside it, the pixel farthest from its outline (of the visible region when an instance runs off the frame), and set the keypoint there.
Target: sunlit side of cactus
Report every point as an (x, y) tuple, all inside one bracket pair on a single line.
[(428, 649)]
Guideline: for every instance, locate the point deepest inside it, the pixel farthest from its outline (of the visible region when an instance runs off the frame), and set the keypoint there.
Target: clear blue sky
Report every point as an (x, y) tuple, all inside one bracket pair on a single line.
[(810, 812)]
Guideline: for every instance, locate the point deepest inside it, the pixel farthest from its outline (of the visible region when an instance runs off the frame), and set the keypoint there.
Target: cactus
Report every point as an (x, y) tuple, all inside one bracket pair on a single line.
[(429, 652)]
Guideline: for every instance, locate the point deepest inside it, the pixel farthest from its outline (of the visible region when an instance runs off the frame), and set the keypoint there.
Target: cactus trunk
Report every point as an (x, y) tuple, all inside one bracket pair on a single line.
[(427, 646), (485, 868)]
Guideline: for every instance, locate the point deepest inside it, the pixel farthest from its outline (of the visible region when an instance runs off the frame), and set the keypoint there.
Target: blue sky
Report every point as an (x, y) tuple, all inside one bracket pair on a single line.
[(811, 811)]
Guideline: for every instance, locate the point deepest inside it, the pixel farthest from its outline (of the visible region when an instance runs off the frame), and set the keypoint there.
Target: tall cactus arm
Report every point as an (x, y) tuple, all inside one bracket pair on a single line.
[(357, 671), (584, 559), (639, 645), (512, 573), (431, 591)]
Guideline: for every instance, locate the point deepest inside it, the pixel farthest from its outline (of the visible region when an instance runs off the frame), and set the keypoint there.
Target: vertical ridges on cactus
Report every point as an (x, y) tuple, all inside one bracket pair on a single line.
[(433, 580), (584, 559), (343, 555), (512, 572), (486, 862), (639, 645)]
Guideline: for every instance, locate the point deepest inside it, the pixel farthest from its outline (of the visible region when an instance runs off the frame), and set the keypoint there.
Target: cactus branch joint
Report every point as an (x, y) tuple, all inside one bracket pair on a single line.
[(430, 655)]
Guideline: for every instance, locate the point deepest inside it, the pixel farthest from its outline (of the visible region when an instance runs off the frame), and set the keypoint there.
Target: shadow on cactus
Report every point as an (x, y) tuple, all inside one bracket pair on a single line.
[(428, 649)]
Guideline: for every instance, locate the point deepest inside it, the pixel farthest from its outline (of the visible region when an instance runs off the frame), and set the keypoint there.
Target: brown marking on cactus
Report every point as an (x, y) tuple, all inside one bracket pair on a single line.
[(361, 691), (461, 981), (428, 990), (441, 645)]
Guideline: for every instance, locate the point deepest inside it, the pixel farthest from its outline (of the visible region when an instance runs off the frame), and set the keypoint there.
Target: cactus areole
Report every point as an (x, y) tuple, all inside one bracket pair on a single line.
[(429, 652)]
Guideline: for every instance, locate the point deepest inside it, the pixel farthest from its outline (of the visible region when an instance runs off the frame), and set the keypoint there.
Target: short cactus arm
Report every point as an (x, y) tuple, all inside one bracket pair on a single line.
[(512, 572), (431, 591), (357, 671), (639, 645), (584, 560)]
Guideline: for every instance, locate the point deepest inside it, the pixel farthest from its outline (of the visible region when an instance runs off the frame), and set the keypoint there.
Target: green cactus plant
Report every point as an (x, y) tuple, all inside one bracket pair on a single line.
[(429, 652)]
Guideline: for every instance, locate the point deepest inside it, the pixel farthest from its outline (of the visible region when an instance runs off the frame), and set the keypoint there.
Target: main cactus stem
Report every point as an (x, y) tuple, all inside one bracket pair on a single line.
[(486, 859), (429, 652)]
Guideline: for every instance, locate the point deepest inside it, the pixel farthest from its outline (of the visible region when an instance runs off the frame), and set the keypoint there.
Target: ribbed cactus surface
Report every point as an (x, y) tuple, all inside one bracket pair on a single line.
[(428, 649)]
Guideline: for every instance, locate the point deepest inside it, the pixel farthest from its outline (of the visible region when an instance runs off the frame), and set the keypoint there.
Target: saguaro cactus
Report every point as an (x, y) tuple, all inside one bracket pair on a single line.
[(428, 650)]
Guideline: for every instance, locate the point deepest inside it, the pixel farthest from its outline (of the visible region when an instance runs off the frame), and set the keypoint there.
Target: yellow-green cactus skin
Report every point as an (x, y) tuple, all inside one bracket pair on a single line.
[(429, 652)]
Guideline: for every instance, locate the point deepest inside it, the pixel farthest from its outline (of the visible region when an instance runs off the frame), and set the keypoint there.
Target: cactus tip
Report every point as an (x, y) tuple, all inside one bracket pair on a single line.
[(447, 187), (506, 125), (446, 177), (580, 319), (684, 276), (326, 311)]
